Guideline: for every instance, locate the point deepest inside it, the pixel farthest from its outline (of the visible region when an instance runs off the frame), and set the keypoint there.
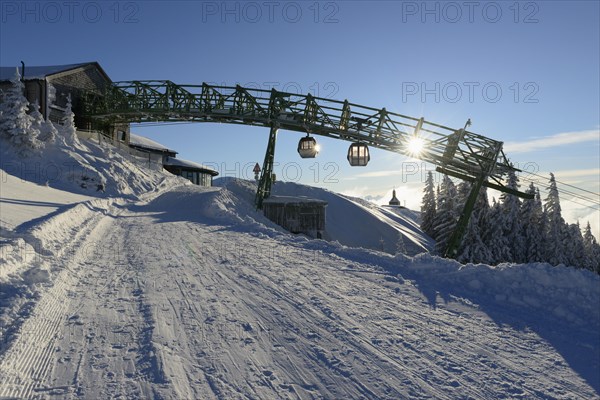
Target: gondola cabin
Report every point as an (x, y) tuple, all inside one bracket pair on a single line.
[(358, 154), (307, 147)]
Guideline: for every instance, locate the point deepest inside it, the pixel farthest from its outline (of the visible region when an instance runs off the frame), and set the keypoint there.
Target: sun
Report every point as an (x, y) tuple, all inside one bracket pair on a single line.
[(415, 145)]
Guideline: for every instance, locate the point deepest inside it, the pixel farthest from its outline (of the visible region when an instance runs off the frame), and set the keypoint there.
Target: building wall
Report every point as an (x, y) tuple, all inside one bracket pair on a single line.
[(308, 218)]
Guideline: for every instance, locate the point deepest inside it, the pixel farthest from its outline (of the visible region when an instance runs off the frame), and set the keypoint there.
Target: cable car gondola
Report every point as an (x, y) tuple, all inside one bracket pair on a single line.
[(358, 154), (307, 147)]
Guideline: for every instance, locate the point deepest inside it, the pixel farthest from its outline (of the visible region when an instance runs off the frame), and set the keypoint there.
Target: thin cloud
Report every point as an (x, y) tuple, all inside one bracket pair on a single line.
[(577, 173), (559, 139)]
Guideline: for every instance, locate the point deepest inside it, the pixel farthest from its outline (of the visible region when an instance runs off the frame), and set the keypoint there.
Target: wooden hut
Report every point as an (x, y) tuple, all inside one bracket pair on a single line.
[(297, 214)]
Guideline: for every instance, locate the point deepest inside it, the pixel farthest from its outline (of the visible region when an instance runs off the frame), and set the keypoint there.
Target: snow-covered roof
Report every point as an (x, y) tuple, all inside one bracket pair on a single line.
[(293, 200), (146, 143), (40, 72), (178, 162)]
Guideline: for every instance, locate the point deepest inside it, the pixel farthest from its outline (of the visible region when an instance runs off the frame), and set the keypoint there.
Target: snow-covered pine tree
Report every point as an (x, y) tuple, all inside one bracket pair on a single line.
[(592, 250), (428, 207), (400, 246), (533, 225), (493, 235), (556, 227), (509, 218), (46, 128), (574, 248), (473, 249), (462, 193), (16, 124), (446, 217), (68, 130)]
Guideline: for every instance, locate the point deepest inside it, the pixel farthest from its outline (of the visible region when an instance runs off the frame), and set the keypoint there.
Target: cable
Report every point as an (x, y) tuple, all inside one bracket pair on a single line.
[(566, 184), (577, 195)]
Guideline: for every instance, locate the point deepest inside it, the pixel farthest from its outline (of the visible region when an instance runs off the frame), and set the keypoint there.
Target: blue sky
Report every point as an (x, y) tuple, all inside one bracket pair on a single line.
[(543, 56)]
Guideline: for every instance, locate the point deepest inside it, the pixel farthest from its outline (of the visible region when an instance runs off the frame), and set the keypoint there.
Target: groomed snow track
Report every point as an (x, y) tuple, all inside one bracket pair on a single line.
[(180, 297)]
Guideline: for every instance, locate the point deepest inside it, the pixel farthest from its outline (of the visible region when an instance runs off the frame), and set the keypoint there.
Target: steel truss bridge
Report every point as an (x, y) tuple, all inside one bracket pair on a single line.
[(455, 152)]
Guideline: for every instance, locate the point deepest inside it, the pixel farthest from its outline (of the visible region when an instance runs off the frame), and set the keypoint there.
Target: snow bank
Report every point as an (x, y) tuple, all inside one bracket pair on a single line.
[(40, 244), (566, 293), (87, 167)]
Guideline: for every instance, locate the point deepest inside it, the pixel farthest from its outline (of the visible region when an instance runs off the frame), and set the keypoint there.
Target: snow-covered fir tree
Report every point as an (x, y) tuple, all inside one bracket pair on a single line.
[(428, 206), (463, 190), (47, 130), (592, 250), (446, 216), (574, 248), (400, 246), (68, 131), (509, 218), (473, 249), (493, 235), (16, 125), (533, 225), (556, 228)]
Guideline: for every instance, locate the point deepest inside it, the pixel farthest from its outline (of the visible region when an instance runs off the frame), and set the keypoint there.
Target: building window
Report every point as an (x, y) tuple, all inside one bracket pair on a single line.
[(122, 136)]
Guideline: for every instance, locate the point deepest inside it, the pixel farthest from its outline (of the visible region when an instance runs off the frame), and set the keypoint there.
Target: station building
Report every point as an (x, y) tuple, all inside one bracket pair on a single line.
[(50, 86)]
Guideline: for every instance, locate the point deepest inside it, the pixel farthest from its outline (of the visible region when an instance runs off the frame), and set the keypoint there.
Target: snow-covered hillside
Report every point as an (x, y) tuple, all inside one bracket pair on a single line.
[(350, 221), (188, 292)]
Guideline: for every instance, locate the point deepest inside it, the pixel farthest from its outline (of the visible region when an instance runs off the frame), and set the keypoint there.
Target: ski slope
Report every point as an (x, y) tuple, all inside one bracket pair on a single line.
[(188, 296), (174, 291)]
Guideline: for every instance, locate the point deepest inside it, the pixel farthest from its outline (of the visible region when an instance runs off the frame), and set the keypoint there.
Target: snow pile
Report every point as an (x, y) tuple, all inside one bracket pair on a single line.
[(569, 294), (23, 202), (349, 221), (90, 168), (36, 150)]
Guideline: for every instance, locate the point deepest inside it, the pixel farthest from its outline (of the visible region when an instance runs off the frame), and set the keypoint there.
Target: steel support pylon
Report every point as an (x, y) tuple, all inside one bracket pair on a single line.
[(463, 220), (266, 177)]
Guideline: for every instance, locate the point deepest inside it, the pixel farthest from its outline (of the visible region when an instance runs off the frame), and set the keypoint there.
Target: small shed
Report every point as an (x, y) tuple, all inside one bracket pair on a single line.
[(297, 214), (198, 174)]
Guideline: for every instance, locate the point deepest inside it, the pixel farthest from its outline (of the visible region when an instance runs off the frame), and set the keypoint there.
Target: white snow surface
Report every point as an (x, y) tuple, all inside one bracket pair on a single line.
[(349, 221), (22, 201), (147, 143), (186, 292), (178, 162)]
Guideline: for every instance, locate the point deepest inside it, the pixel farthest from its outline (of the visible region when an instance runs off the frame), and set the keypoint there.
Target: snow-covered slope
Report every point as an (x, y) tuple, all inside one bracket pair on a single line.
[(196, 298), (22, 201), (188, 292), (88, 168), (350, 221)]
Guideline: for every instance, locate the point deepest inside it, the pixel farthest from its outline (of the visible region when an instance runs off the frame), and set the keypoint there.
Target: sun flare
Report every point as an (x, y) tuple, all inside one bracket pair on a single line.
[(415, 145)]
